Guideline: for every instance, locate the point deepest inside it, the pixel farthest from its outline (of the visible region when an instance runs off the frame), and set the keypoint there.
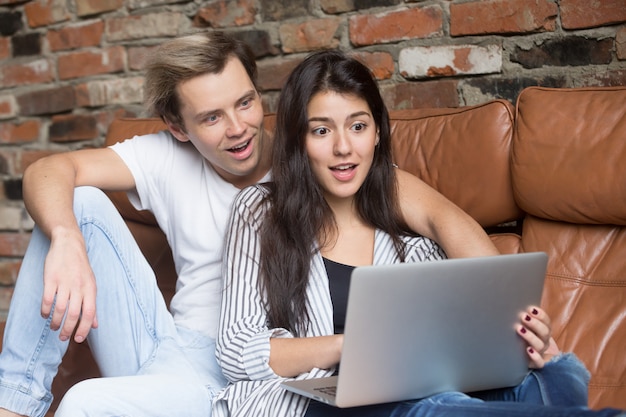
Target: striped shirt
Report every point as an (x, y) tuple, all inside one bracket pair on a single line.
[(243, 343)]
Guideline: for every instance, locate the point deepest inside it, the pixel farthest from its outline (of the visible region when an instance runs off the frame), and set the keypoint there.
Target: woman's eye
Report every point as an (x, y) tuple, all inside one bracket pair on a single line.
[(358, 126), (320, 131)]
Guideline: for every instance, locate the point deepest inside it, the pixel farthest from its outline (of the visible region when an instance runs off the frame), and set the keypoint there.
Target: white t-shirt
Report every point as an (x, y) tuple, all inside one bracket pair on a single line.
[(191, 204)]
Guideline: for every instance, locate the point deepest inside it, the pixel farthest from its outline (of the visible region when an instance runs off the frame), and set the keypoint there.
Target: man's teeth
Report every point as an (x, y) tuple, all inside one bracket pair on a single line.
[(238, 148)]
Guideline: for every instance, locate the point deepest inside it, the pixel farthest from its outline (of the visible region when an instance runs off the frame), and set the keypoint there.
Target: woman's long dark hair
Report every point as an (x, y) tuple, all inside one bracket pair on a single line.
[(299, 218)]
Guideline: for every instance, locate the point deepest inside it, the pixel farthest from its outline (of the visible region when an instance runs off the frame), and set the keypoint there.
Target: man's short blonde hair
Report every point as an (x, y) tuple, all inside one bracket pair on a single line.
[(186, 57)]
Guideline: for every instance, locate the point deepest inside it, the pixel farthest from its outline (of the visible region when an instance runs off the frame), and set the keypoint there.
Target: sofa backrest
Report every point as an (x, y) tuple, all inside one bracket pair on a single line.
[(557, 157), (569, 174), (463, 153)]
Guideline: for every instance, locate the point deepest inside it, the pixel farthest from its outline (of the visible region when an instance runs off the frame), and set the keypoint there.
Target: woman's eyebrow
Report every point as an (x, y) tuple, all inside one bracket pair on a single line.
[(350, 116)]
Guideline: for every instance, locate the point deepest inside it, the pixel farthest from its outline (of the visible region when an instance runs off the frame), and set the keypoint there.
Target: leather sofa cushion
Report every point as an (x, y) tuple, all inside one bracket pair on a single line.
[(463, 153), (569, 152)]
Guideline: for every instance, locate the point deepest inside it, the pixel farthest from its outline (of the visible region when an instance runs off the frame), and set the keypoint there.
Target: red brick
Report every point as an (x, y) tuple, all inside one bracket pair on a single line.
[(85, 63), (8, 107), (273, 73), (416, 95), (137, 56), (13, 244), (7, 162), (380, 63), (224, 14), (610, 78), (73, 37), (48, 101), (5, 48), (30, 156), (46, 12), (310, 35), (620, 43), (413, 23), (144, 26), (18, 133), (72, 127), (5, 300), (8, 275), (105, 118), (337, 6), (106, 92), (579, 14), (33, 72), (450, 60), (91, 7), (502, 16)]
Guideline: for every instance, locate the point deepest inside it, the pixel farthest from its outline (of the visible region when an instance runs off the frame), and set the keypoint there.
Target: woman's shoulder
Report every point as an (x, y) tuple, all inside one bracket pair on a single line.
[(252, 197), (420, 248)]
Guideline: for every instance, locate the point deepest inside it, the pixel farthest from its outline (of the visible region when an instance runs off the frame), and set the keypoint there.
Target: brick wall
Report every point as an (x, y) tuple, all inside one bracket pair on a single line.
[(68, 67)]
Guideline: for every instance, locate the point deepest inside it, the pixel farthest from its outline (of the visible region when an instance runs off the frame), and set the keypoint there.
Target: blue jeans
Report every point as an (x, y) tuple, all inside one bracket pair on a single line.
[(557, 390), (151, 367)]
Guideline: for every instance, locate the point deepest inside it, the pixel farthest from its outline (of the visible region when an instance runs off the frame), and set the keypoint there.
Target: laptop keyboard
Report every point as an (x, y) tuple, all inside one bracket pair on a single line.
[(327, 390)]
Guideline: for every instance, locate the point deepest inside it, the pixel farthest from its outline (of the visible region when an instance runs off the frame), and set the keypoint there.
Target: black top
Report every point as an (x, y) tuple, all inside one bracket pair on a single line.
[(339, 285)]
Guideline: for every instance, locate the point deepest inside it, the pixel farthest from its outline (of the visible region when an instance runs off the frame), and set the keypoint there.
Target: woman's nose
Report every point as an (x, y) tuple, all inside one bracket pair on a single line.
[(343, 146)]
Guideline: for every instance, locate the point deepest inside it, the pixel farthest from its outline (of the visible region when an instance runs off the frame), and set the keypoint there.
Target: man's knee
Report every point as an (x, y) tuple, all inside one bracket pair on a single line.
[(79, 400), (90, 197)]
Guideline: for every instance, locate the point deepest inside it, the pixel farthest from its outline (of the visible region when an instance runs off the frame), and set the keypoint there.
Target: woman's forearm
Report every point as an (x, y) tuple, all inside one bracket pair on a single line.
[(290, 357)]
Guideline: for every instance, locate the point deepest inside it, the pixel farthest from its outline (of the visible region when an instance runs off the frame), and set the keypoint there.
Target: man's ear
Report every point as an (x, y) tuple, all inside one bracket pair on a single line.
[(176, 131)]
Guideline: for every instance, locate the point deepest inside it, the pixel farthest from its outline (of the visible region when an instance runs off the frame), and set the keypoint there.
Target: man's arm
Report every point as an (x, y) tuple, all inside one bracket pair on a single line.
[(48, 194), (429, 213)]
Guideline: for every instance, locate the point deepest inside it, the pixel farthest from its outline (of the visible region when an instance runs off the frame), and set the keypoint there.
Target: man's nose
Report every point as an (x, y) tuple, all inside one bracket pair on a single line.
[(236, 126)]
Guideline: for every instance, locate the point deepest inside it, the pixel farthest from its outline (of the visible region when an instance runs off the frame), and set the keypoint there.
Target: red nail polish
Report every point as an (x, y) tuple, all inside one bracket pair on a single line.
[(531, 350), (523, 330), (535, 312), (527, 318)]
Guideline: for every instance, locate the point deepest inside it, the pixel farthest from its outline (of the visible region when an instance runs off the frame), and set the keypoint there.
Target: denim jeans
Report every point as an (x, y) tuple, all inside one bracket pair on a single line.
[(150, 366), (557, 390)]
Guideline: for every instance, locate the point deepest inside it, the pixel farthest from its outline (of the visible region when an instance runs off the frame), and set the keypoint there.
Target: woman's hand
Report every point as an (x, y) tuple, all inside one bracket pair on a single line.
[(536, 330), (289, 357)]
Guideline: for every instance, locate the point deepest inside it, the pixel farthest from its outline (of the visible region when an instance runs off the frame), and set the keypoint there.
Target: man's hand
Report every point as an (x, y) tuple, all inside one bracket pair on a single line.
[(69, 287), (69, 282)]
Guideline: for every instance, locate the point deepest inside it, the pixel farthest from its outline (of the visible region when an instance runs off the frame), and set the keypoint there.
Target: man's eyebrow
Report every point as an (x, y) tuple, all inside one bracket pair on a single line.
[(204, 114)]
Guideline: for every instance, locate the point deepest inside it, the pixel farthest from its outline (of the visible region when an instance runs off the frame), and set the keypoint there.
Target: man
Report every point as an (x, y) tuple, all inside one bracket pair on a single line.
[(97, 284)]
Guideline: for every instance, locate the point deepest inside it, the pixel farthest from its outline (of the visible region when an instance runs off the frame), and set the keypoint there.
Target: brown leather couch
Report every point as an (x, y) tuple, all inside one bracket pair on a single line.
[(548, 174)]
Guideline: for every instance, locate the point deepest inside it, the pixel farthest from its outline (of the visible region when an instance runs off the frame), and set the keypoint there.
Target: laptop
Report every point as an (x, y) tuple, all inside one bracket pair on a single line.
[(416, 329)]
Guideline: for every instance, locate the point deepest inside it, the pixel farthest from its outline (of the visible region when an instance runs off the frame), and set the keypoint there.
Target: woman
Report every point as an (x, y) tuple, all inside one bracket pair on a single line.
[(292, 244)]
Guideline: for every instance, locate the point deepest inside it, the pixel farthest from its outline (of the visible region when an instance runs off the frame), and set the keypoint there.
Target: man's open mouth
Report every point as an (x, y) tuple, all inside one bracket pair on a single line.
[(240, 148)]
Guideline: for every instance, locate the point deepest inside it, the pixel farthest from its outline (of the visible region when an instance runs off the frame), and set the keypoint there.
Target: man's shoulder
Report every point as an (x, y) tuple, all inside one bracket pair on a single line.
[(151, 145), (160, 136)]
